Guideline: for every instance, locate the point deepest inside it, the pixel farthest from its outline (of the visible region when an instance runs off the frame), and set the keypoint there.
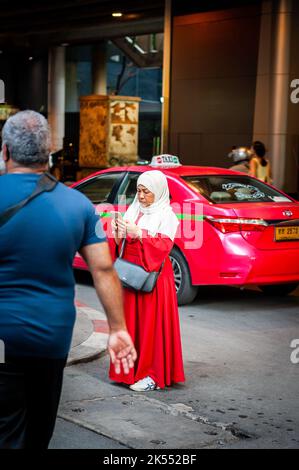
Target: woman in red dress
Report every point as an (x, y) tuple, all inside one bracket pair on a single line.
[(149, 226)]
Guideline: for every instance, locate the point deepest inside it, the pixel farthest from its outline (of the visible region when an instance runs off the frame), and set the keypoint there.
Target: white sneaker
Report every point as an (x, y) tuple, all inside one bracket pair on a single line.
[(144, 385)]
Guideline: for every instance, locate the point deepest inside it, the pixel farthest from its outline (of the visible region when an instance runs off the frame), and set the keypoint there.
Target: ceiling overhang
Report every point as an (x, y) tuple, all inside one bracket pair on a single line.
[(48, 23)]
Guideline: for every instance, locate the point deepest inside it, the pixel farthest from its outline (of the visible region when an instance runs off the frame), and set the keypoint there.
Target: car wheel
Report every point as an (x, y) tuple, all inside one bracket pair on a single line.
[(279, 289), (184, 289)]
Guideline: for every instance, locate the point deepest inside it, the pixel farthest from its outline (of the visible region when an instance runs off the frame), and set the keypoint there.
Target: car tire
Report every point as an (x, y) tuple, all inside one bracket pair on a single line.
[(279, 289), (186, 292)]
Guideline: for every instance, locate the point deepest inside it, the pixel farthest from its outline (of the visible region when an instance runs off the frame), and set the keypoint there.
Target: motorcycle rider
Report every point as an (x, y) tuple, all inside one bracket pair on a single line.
[(241, 157)]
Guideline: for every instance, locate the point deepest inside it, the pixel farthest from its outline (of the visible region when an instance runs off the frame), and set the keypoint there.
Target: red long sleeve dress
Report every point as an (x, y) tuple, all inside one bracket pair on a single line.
[(152, 318)]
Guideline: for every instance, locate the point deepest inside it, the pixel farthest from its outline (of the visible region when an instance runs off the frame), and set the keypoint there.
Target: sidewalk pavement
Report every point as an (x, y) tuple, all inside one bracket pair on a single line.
[(90, 335)]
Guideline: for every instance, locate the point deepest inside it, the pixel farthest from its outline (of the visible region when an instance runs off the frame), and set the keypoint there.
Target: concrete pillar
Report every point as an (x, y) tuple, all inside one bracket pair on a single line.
[(166, 77), (273, 84), (280, 94), (56, 95), (99, 72), (264, 76), (2, 92), (72, 104)]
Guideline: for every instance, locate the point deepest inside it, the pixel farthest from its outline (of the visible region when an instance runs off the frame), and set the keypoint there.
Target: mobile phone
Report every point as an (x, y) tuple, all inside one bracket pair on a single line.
[(116, 215)]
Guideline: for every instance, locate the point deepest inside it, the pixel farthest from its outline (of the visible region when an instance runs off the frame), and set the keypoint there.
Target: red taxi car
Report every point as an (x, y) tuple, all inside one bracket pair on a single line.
[(234, 229)]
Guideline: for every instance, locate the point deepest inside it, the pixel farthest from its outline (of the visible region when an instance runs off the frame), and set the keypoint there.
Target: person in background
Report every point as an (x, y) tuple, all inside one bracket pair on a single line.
[(240, 157), (259, 165), (149, 227)]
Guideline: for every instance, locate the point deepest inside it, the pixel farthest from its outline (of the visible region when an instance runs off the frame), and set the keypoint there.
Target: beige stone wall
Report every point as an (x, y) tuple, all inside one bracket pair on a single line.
[(123, 136)]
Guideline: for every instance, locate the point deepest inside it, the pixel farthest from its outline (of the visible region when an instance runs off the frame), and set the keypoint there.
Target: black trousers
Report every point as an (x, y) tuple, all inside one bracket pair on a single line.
[(30, 390)]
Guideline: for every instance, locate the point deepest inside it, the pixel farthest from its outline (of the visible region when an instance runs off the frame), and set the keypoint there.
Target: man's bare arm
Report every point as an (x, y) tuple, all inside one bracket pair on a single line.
[(106, 282), (109, 291)]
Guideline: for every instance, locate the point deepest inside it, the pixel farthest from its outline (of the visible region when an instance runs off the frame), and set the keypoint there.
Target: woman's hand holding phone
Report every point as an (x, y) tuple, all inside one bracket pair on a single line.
[(117, 225), (122, 227)]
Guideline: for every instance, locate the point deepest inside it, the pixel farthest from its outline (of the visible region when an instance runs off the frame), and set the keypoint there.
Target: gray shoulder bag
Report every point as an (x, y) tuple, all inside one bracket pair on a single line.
[(47, 182), (133, 276)]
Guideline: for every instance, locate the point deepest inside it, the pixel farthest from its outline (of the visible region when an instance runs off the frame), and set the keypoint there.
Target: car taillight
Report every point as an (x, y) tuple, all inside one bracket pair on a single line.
[(237, 224)]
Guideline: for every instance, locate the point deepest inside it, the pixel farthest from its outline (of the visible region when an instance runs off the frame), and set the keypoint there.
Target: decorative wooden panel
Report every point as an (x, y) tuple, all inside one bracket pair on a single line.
[(108, 130), (93, 131)]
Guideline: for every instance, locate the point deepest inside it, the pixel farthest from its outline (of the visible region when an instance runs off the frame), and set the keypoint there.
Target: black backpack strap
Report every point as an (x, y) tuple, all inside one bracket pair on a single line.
[(47, 182)]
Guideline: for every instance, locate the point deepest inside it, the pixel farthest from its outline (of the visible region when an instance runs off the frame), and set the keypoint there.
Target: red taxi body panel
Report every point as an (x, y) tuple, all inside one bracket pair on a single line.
[(238, 258)]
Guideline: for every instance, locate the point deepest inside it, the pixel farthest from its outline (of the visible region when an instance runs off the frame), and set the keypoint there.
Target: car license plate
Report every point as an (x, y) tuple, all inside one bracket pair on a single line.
[(286, 233)]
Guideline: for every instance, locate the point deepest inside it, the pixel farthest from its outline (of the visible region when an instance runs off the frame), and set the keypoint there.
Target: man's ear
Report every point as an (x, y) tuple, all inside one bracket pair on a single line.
[(5, 153)]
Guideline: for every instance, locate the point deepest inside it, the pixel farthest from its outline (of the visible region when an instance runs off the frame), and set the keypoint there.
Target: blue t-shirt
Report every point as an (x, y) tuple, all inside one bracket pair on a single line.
[(37, 247)]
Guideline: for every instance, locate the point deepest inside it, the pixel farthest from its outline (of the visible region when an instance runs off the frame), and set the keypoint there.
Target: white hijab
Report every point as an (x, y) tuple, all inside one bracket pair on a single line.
[(159, 216)]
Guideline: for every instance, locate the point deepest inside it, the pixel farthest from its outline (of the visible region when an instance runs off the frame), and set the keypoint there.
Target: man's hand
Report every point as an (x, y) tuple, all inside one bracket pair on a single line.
[(122, 351), (108, 287)]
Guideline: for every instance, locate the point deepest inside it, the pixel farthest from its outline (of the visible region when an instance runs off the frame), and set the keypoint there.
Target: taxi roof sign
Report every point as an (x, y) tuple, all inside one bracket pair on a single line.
[(165, 161)]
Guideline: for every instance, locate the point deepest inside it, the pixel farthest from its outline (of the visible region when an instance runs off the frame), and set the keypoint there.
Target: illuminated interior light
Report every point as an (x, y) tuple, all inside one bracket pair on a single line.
[(133, 43), (117, 14)]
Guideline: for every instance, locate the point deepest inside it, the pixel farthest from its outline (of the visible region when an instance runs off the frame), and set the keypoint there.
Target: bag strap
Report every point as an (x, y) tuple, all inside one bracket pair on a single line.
[(122, 251), (122, 248), (47, 182)]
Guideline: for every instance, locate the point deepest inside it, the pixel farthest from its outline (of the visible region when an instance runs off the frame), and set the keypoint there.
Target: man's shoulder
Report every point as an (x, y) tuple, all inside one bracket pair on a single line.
[(72, 196), (72, 193)]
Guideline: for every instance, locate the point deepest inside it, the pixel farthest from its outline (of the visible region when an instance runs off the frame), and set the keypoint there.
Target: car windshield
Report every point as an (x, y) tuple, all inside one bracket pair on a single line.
[(237, 189)]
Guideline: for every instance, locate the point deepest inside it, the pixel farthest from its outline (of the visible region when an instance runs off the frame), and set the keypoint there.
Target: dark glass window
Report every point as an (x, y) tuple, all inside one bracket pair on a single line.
[(99, 189), (128, 189), (237, 189)]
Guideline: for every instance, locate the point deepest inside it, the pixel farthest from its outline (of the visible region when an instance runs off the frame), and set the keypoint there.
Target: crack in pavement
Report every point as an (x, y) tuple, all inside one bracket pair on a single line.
[(175, 409)]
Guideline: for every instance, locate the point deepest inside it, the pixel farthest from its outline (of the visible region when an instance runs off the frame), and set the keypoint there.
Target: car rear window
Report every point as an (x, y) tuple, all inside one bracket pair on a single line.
[(237, 189)]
